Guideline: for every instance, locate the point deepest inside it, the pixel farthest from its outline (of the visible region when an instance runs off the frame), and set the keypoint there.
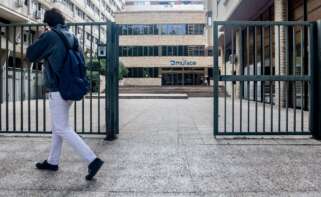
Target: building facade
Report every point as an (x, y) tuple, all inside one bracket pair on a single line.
[(74, 10), (164, 5), (14, 40), (286, 53), (165, 48)]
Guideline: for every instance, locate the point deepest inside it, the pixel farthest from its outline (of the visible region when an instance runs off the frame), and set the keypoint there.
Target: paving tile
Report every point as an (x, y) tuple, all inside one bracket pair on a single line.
[(166, 148)]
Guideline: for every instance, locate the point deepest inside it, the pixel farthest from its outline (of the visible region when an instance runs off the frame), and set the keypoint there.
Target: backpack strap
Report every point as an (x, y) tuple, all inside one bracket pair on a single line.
[(65, 41)]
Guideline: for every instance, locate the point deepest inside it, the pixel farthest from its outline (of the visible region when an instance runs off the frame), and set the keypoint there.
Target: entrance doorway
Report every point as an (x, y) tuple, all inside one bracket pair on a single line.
[(183, 76)]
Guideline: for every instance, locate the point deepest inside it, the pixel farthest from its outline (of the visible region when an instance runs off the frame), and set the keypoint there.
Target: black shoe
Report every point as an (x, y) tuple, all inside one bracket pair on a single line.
[(46, 166), (93, 168)]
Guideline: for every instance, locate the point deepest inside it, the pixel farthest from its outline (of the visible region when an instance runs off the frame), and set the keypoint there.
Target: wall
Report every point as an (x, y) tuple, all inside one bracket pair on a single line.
[(170, 17), (141, 82), (133, 62)]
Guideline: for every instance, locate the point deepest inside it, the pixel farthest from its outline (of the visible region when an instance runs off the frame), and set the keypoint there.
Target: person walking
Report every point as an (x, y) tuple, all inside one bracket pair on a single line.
[(51, 47)]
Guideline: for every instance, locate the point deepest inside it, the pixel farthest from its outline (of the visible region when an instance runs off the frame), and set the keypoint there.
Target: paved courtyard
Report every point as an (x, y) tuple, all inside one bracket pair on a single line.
[(190, 114), (166, 148)]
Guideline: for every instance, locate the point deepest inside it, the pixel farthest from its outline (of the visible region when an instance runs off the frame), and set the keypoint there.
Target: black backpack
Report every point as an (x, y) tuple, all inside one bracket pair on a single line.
[(72, 81)]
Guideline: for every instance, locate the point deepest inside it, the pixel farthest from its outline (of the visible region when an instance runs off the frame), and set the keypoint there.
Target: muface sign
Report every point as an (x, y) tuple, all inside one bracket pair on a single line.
[(182, 63)]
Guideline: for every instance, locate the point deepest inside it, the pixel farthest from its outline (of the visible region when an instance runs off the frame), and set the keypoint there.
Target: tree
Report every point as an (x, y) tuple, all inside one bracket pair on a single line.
[(97, 67), (123, 71)]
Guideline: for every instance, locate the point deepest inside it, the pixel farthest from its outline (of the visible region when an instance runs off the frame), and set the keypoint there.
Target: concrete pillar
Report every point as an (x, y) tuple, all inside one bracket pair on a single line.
[(281, 14), (238, 62), (221, 62)]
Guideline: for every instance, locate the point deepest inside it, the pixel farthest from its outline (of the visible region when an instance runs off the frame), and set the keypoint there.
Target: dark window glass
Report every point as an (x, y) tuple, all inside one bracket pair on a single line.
[(135, 53), (164, 51), (175, 50), (142, 73), (121, 51), (155, 51), (124, 29), (125, 51), (129, 30), (150, 29), (135, 29), (156, 29), (155, 72), (130, 51), (145, 52), (171, 29), (146, 28), (146, 73), (170, 51), (185, 51), (181, 29), (180, 51), (164, 29), (140, 51), (130, 73)]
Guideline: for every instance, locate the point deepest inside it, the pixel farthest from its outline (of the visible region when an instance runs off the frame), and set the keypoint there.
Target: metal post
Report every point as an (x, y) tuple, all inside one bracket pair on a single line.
[(216, 80), (116, 78), (314, 65), (111, 87)]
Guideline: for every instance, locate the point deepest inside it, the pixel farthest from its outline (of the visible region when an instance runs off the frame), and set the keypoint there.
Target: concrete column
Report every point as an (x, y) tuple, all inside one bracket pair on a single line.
[(221, 61), (238, 63), (281, 14)]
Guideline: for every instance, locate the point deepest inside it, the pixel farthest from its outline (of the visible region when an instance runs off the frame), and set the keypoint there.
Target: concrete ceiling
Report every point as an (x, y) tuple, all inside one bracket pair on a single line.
[(249, 9)]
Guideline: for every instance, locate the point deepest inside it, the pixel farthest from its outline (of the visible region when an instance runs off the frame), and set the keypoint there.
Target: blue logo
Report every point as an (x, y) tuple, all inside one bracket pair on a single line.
[(182, 63)]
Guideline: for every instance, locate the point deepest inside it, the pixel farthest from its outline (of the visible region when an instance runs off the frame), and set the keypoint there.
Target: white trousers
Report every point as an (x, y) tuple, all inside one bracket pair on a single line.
[(59, 109)]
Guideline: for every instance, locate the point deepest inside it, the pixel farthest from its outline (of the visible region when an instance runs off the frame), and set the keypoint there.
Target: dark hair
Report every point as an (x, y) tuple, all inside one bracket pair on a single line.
[(54, 17)]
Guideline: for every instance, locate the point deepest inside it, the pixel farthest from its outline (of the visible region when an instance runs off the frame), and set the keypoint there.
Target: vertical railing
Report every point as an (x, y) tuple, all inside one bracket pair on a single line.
[(216, 79), (23, 102), (267, 79), (112, 68), (315, 64)]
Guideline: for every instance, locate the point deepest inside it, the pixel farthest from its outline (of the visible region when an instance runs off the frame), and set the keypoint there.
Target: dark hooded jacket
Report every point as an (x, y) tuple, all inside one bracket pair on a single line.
[(50, 48)]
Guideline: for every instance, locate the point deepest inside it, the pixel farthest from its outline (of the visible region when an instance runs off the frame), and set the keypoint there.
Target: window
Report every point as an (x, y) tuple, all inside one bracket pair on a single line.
[(124, 30), (145, 51), (130, 51), (156, 51), (162, 50), (164, 29), (140, 51), (150, 72)]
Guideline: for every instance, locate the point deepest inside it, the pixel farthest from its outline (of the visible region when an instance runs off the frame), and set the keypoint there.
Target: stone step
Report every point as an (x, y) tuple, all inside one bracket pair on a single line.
[(143, 96), (153, 96), (202, 91)]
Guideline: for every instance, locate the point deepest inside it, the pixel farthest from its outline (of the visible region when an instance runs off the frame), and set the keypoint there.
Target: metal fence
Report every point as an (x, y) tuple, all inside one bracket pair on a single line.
[(266, 69), (23, 100)]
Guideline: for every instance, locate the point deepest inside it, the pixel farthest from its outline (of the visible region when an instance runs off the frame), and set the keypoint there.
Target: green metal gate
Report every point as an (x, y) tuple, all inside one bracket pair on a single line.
[(267, 71), (23, 100)]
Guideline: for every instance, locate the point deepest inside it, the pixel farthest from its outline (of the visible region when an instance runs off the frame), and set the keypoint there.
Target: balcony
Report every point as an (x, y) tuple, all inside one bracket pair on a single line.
[(13, 11)]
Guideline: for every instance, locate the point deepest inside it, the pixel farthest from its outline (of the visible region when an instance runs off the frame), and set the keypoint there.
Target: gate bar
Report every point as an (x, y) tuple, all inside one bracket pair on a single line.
[(315, 62), (215, 79)]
